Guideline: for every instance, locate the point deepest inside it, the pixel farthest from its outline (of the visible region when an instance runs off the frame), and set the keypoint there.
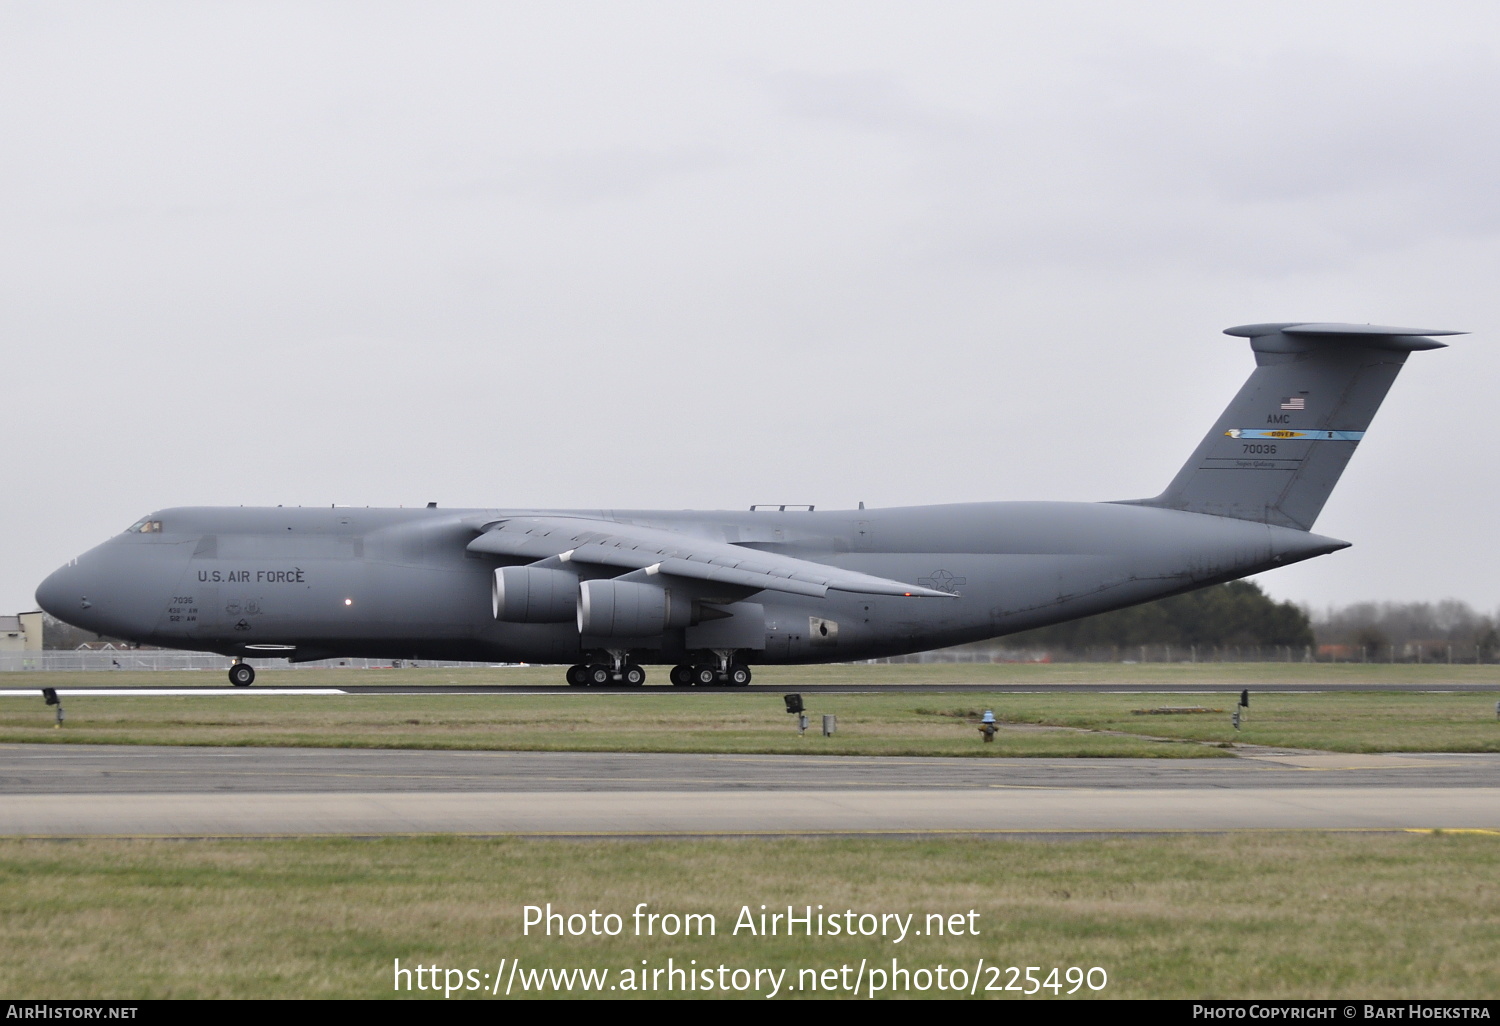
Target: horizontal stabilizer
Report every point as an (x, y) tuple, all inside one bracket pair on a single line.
[(1374, 336)]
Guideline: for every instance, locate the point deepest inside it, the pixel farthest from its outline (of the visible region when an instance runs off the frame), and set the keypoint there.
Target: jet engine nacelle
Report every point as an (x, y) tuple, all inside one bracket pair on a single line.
[(529, 594), (629, 609)]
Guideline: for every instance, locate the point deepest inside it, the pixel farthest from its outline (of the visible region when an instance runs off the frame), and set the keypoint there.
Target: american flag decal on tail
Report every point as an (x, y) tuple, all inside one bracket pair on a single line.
[(1295, 402)]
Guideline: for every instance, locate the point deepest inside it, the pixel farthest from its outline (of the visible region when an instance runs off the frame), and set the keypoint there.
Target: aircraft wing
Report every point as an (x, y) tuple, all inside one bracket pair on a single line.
[(656, 551)]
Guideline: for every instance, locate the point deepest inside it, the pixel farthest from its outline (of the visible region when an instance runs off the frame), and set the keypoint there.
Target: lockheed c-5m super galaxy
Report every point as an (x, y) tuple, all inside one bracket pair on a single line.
[(712, 593)]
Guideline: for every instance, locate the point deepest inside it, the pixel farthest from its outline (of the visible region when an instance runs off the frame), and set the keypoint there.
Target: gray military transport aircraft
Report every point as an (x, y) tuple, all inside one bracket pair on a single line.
[(710, 593)]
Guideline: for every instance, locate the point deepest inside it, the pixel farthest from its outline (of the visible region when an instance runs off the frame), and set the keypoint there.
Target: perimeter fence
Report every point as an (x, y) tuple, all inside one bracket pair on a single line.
[(1413, 654), (162, 659)]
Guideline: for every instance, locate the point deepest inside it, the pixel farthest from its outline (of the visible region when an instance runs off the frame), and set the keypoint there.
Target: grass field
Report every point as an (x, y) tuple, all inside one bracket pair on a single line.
[(1234, 915), (1098, 724), (1245, 914)]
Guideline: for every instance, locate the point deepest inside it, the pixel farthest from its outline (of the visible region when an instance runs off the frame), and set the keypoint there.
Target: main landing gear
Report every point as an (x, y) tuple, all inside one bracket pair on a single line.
[(706, 675), (241, 675), (599, 675), (715, 669)]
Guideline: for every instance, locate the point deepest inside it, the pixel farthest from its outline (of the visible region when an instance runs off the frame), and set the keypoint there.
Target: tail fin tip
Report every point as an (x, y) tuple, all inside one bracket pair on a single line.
[(1371, 336)]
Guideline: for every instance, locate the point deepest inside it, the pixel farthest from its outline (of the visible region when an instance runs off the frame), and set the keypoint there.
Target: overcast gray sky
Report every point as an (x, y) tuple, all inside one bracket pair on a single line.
[(705, 254)]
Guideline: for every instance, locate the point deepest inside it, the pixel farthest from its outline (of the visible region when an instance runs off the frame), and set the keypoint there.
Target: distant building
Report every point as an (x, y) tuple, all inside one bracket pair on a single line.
[(21, 633)]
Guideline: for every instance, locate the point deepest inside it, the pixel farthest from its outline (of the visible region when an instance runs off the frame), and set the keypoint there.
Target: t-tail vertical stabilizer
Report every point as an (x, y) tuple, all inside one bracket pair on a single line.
[(1279, 448)]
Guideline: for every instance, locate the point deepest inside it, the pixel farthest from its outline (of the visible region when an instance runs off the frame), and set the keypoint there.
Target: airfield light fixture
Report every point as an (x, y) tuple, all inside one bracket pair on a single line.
[(50, 694), (795, 708)]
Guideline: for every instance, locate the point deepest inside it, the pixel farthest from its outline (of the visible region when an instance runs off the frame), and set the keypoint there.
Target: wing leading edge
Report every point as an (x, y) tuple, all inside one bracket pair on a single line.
[(656, 551)]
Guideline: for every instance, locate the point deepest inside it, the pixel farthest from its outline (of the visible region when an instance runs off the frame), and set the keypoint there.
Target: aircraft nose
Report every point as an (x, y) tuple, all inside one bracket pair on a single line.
[(61, 595), (117, 589)]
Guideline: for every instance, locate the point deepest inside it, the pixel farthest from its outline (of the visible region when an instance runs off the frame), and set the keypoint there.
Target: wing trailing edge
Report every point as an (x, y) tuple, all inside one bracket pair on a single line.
[(656, 551)]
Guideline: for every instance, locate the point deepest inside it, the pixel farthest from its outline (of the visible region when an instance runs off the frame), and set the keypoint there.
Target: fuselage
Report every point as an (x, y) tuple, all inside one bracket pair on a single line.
[(401, 583)]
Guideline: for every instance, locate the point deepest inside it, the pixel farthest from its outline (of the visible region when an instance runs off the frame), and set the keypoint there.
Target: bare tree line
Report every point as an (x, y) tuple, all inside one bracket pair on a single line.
[(1238, 622), (1430, 631)]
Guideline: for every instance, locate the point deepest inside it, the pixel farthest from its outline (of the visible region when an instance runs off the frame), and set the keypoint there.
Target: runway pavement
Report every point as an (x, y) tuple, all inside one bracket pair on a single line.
[(103, 689), (48, 790), (1033, 688)]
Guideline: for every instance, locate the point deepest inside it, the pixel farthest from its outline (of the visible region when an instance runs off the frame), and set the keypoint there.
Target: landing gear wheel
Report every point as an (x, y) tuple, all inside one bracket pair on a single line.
[(704, 676), (632, 675), (598, 676), (681, 676), (739, 675), (241, 675), (578, 676)]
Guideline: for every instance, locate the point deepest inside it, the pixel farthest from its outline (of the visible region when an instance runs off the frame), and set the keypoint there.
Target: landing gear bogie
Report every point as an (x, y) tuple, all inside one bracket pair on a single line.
[(633, 675), (616, 668), (241, 675)]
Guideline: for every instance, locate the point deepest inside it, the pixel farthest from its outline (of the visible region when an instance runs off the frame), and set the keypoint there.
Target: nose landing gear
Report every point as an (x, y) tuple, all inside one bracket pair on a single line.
[(241, 675)]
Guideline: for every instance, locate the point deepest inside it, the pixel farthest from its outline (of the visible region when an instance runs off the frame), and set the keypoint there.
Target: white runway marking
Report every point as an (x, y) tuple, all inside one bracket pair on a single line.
[(159, 692)]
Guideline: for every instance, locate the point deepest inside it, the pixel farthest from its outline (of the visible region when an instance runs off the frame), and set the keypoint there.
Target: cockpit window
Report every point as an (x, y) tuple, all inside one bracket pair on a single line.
[(144, 527)]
